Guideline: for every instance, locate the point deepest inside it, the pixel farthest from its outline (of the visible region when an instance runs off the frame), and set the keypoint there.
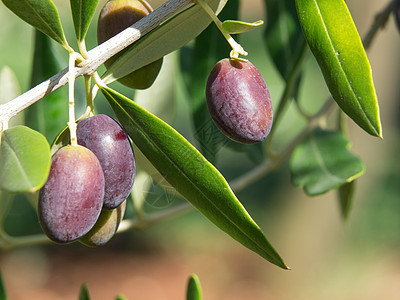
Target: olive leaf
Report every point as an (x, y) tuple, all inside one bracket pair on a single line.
[(3, 295), (47, 116), (346, 193), (190, 174), (84, 293), (333, 39), (235, 27), (41, 14), (323, 162), (193, 291), (282, 36), (82, 14), (169, 36), (24, 160)]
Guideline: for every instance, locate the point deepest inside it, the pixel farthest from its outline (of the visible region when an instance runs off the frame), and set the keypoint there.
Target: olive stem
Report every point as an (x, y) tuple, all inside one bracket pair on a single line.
[(71, 98), (236, 47)]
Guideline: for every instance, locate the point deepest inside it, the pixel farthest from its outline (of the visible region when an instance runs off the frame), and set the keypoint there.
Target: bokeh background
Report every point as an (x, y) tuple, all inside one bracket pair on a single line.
[(330, 259)]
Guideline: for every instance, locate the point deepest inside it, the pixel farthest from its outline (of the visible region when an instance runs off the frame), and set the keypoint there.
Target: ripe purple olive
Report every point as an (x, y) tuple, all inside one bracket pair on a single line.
[(71, 199), (105, 227), (116, 16), (109, 142), (238, 101)]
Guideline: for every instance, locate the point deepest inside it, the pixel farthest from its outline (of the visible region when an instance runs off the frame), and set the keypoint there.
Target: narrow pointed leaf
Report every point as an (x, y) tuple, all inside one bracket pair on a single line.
[(346, 194), (24, 160), (236, 27), (82, 14), (283, 37), (50, 115), (333, 38), (3, 295), (84, 293), (190, 174), (323, 162), (41, 14), (170, 36), (194, 288)]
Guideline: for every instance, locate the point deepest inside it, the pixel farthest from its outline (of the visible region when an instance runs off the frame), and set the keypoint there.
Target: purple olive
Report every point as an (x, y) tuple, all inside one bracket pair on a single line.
[(71, 199), (238, 101), (109, 142)]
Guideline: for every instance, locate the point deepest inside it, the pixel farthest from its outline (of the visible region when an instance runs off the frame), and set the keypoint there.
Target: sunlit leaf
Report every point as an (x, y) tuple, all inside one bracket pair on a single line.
[(323, 162), (190, 174), (333, 38), (82, 14), (169, 36), (236, 27), (24, 160), (49, 115), (41, 14), (194, 288)]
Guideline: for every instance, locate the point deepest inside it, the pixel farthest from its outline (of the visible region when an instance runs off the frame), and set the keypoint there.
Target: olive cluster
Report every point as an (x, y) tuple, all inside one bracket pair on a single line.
[(84, 196)]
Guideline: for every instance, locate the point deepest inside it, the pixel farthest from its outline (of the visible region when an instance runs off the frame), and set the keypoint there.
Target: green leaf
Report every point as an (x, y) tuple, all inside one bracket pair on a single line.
[(84, 294), (333, 38), (120, 297), (346, 193), (49, 115), (283, 37), (3, 295), (41, 14), (169, 36), (235, 27), (24, 160), (10, 89), (323, 162), (190, 174), (82, 14), (194, 288)]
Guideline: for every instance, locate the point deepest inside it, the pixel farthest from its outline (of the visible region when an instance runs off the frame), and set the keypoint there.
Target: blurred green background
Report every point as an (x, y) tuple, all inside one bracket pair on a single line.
[(330, 259)]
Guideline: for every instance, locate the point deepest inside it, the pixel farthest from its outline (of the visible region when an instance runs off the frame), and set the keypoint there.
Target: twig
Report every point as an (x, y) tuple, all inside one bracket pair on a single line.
[(96, 57)]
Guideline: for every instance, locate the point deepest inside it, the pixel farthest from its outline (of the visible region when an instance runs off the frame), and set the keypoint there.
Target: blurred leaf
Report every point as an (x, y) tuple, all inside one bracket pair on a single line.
[(5, 204), (24, 160), (333, 38), (84, 294), (194, 288), (190, 174), (3, 295), (283, 36), (169, 36), (50, 114), (120, 297), (41, 14), (235, 27), (10, 89), (82, 14), (346, 193), (323, 162), (159, 99)]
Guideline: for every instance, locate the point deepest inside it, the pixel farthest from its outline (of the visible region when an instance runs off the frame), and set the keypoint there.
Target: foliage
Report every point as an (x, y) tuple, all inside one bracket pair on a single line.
[(320, 157)]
